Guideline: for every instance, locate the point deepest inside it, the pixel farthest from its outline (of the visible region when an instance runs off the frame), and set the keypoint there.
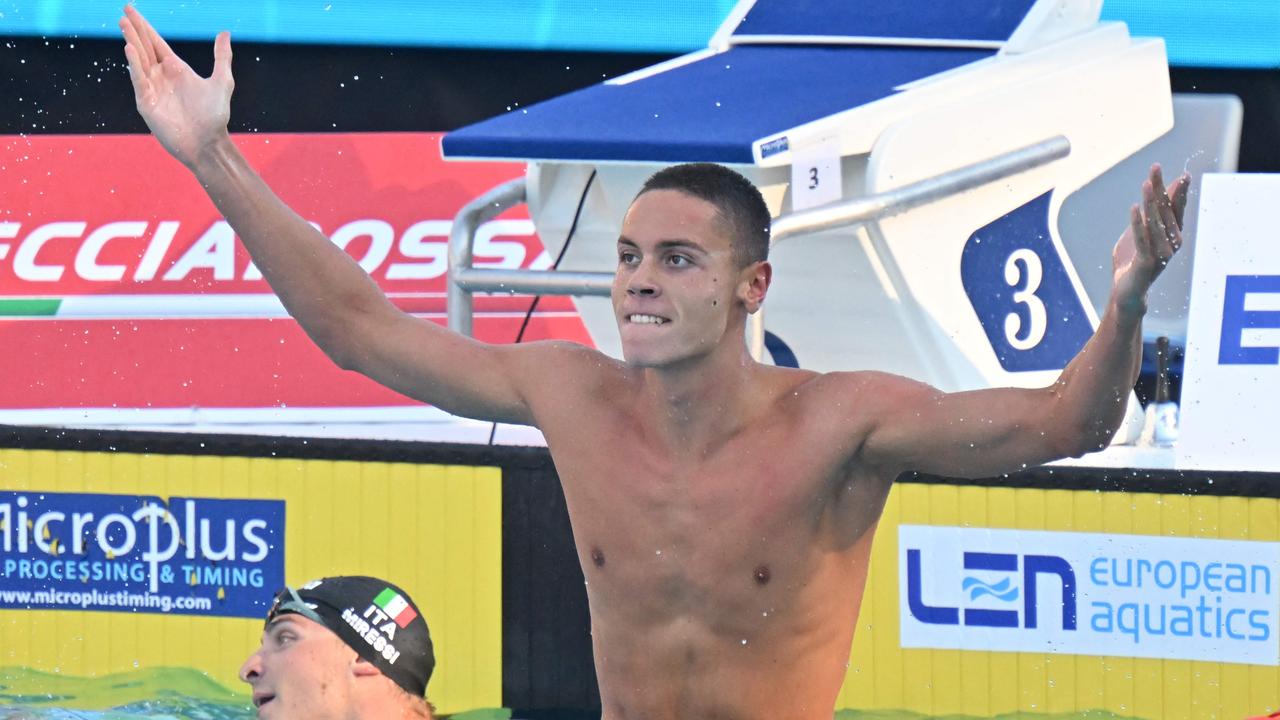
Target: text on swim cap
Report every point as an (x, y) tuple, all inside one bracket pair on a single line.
[(373, 634)]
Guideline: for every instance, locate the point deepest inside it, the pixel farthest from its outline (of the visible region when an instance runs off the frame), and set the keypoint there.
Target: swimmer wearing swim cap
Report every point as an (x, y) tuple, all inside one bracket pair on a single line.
[(347, 648), (723, 509)]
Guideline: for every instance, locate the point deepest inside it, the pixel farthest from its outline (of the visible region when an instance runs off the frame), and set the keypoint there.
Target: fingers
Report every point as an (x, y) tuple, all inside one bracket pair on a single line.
[(140, 61), (161, 47), (139, 37), (1164, 208), (153, 49), (1155, 231), (1136, 228), (141, 83), (222, 56), (1178, 193)]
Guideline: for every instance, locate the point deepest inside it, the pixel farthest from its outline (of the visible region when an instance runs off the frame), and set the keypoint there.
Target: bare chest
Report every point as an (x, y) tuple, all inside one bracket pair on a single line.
[(743, 521)]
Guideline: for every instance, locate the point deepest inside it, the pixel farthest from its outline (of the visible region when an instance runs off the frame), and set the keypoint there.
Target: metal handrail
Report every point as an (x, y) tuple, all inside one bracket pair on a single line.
[(902, 199), (464, 279), (899, 200)]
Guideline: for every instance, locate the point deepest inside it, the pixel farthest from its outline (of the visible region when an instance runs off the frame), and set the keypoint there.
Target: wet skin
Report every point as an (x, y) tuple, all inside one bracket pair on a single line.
[(730, 579), (723, 510), (301, 670), (724, 564)]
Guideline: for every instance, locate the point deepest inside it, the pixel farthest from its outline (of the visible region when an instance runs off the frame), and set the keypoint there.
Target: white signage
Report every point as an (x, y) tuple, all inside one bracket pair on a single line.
[(1089, 594), (815, 174), (1231, 375)]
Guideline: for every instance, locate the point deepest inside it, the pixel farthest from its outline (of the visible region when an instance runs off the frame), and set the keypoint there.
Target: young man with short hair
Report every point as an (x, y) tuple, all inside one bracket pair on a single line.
[(723, 510), (346, 648)]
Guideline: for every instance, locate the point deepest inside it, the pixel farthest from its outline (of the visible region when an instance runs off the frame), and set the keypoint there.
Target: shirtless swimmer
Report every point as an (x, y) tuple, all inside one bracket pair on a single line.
[(723, 510)]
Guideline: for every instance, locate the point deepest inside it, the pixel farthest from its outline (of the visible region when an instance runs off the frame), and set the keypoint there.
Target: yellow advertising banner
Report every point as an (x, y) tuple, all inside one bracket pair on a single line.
[(1159, 606), (153, 571)]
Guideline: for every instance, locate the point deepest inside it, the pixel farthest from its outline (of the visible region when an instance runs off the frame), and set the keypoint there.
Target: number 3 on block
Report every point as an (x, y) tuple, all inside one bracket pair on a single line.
[(1023, 268), (815, 174)]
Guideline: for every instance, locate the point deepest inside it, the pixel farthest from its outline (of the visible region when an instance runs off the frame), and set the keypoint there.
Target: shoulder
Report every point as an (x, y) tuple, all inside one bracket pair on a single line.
[(866, 388), (860, 402), (557, 351), (559, 357), (561, 367)]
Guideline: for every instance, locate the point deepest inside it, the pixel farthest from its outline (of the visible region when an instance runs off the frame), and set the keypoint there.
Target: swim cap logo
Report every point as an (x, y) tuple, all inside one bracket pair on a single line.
[(378, 623), (396, 607)]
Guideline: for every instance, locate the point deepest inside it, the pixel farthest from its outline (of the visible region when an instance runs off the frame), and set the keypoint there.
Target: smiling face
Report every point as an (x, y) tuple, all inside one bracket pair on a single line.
[(679, 291), (302, 670)]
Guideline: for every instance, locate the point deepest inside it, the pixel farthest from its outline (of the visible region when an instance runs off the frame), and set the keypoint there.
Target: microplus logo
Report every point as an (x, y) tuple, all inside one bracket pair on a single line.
[(1089, 594), (140, 553)]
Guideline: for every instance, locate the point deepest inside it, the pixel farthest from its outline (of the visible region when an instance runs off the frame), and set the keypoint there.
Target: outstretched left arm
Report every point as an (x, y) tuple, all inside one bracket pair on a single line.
[(987, 432)]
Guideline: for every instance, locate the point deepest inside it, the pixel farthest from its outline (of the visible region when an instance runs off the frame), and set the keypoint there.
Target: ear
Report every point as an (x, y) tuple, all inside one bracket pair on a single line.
[(364, 668), (753, 284)]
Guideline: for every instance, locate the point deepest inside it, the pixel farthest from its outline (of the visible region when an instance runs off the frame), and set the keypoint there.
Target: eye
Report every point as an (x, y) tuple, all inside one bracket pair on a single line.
[(627, 257), (679, 260)]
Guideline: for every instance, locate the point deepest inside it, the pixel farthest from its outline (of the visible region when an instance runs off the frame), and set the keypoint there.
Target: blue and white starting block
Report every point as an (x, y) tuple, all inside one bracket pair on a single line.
[(921, 162)]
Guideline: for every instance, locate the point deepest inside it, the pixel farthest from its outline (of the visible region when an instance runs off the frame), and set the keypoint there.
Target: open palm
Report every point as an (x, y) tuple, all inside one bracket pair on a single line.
[(1153, 236), (187, 113)]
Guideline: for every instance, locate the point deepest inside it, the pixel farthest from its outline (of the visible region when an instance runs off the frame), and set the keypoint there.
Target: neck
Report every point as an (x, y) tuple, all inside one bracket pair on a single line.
[(384, 706), (700, 402)]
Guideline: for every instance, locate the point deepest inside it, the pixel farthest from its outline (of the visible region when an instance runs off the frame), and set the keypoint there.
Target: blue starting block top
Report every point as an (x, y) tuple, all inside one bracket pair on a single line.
[(709, 110), (957, 21), (787, 63)]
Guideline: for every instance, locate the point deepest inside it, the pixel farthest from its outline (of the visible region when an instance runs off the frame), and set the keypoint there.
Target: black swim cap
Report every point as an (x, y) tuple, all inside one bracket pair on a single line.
[(377, 619)]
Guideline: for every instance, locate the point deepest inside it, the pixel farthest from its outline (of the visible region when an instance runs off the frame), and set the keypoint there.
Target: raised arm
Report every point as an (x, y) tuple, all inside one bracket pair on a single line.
[(336, 303), (988, 432)]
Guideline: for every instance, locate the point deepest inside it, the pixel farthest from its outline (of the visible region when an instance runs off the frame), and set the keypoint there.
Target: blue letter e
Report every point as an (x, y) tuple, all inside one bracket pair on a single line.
[(1235, 319)]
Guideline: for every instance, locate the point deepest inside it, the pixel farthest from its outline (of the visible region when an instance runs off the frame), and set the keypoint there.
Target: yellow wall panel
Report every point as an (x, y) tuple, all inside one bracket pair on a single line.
[(1090, 686), (885, 677), (435, 531)]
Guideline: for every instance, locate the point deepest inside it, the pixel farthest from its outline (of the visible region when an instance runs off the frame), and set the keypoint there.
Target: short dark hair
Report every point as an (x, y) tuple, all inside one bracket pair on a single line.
[(738, 201)]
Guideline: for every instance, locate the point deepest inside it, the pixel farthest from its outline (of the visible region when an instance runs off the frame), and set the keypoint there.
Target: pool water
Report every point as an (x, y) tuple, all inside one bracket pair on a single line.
[(185, 694), (159, 694)]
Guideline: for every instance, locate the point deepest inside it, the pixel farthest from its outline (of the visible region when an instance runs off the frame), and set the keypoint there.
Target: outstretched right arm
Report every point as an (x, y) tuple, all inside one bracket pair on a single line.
[(336, 303)]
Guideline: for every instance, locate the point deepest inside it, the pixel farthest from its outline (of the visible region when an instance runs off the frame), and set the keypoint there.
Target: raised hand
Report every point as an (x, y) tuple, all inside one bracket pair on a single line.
[(187, 113), (1153, 236)]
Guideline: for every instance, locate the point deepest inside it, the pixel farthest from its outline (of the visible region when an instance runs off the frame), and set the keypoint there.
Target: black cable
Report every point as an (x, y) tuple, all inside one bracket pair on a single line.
[(573, 227)]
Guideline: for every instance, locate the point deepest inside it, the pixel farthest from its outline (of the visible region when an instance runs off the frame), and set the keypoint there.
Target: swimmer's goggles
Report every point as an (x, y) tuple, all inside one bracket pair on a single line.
[(288, 601)]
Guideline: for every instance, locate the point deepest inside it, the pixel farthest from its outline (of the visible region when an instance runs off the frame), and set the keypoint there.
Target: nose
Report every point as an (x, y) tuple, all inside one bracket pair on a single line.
[(640, 281), (251, 670)]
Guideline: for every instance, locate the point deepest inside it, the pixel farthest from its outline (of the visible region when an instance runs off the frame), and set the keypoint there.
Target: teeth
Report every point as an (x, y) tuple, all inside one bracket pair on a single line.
[(646, 319)]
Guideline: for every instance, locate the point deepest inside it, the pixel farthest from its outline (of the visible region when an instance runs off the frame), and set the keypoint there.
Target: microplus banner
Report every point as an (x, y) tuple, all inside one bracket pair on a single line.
[(1089, 594), (139, 553)]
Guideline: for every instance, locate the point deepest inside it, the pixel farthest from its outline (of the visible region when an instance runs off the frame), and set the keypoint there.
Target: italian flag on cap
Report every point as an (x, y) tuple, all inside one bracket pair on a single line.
[(393, 604)]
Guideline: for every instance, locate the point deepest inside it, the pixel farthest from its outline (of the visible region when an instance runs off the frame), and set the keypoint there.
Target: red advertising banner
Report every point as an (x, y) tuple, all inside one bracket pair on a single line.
[(122, 287)]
